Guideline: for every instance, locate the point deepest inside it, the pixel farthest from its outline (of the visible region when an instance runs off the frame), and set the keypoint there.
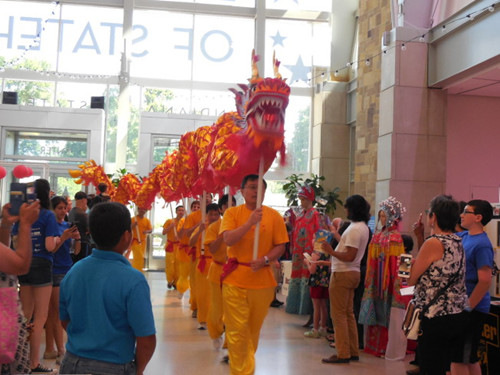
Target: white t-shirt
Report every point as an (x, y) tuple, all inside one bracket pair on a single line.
[(356, 235)]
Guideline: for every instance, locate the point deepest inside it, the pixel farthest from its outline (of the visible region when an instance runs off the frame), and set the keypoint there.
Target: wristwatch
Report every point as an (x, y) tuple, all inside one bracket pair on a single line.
[(266, 260)]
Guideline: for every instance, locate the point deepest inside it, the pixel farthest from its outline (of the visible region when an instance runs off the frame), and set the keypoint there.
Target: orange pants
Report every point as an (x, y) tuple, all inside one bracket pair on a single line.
[(171, 268), (183, 280), (202, 295), (215, 323), (244, 313)]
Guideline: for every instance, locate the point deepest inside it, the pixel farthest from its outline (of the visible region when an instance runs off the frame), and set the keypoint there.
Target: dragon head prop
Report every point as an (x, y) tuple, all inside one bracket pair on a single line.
[(266, 105)]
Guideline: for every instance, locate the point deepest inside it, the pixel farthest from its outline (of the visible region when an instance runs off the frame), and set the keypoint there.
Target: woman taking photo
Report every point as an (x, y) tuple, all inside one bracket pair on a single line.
[(36, 285), (438, 274)]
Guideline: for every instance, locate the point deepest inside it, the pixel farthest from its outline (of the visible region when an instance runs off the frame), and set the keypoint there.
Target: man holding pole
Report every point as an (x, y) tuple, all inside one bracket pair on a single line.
[(141, 227), (248, 282)]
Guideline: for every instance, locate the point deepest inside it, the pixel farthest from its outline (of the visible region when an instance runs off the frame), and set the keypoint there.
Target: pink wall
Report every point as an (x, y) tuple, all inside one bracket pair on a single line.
[(473, 147)]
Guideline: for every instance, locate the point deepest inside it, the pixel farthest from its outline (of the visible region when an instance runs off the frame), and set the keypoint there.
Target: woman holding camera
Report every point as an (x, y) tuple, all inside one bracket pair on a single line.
[(36, 285), (438, 274)]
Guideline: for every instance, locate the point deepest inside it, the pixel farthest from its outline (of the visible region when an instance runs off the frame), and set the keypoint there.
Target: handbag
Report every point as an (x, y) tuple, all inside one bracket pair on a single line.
[(414, 314), (411, 321), (9, 325)]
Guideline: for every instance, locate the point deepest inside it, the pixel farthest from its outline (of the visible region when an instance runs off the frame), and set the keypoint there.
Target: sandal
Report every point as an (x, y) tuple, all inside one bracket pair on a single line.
[(332, 345), (331, 338)]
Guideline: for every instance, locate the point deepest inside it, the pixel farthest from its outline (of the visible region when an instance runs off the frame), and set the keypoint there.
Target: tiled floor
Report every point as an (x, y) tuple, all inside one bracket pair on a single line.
[(183, 349)]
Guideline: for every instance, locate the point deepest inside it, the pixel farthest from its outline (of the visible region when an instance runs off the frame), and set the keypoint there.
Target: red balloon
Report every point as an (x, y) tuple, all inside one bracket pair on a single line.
[(3, 172), (20, 171), (29, 172)]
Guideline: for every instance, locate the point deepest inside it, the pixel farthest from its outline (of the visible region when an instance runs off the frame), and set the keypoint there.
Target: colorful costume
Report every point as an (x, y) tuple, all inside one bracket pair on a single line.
[(215, 324), (247, 294), (382, 284), (299, 299), (139, 241), (171, 249)]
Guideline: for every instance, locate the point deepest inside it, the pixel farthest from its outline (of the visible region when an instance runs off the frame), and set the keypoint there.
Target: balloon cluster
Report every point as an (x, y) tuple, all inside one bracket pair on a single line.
[(19, 171)]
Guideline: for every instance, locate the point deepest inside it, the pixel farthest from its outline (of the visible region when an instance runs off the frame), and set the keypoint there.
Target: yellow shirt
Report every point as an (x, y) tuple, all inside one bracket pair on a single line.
[(184, 240), (220, 255), (272, 233), (142, 225), (171, 234)]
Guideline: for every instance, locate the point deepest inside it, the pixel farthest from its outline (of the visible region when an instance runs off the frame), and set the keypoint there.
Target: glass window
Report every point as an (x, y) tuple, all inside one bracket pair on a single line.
[(35, 93), (297, 131), (234, 3), (299, 45), (317, 5), (29, 31), (183, 46), (222, 48), (90, 39), (47, 146), (161, 145), (77, 95)]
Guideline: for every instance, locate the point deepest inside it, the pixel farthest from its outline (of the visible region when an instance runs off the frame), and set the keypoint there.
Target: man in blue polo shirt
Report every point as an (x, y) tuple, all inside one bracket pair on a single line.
[(105, 304)]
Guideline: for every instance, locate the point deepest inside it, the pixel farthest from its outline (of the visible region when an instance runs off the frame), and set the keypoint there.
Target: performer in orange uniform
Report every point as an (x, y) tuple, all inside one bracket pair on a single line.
[(141, 227), (248, 285), (214, 243), (171, 248), (183, 254), (203, 261), (192, 222)]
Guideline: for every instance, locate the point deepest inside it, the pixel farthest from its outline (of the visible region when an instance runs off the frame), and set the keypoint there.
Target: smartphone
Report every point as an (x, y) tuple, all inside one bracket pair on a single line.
[(404, 265), (20, 193)]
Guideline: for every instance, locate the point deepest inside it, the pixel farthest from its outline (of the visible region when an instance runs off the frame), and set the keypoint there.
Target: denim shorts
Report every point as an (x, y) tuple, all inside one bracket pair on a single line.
[(57, 278), (40, 273), (73, 364)]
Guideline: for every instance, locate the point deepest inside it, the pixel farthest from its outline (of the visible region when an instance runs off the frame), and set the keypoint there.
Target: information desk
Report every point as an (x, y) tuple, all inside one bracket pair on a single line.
[(489, 348)]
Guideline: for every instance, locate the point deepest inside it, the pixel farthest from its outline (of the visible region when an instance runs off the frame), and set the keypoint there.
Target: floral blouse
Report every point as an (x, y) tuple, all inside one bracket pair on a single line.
[(322, 275), (453, 300)]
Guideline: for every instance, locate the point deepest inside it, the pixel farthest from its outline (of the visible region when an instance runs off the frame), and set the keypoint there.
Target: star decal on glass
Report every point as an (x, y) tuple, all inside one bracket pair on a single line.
[(299, 71), (278, 39)]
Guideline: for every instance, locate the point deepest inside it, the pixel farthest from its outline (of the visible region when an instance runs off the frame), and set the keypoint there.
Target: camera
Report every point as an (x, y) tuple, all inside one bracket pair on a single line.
[(404, 265), (20, 193)]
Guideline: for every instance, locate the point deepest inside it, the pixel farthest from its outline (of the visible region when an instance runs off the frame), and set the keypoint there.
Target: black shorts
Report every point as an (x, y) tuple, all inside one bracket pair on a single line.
[(57, 278), (40, 273), (440, 341), (471, 335)]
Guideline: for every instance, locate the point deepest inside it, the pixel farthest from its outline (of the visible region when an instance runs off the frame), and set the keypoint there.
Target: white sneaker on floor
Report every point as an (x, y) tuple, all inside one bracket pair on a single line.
[(217, 343)]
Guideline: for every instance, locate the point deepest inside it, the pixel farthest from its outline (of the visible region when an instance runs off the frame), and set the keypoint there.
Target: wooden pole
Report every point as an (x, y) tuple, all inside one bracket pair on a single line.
[(260, 193), (203, 218)]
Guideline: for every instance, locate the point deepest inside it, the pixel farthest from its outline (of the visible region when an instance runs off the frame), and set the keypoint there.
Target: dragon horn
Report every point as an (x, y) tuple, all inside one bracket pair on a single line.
[(255, 69), (276, 66)]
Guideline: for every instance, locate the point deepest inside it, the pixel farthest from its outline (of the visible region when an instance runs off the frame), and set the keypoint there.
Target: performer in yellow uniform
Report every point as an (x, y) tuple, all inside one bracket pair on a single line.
[(182, 260), (214, 244), (171, 248), (248, 284), (141, 227), (191, 223), (204, 259)]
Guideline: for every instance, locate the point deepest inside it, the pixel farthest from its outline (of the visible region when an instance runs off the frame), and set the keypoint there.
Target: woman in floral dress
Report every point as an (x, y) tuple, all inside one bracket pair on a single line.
[(307, 224)]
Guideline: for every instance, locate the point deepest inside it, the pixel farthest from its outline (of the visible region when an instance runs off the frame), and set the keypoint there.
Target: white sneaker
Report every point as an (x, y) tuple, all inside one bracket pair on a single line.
[(217, 343)]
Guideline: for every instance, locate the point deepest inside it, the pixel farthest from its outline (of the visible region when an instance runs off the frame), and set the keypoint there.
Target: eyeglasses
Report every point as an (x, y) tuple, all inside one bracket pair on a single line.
[(469, 212)]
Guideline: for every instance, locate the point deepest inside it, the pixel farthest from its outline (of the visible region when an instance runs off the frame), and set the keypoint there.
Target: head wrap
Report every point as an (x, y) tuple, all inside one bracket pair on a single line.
[(393, 210), (307, 192)]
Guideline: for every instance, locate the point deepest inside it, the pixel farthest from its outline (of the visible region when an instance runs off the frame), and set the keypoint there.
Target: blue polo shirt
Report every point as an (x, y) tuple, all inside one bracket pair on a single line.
[(478, 253), (108, 305)]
